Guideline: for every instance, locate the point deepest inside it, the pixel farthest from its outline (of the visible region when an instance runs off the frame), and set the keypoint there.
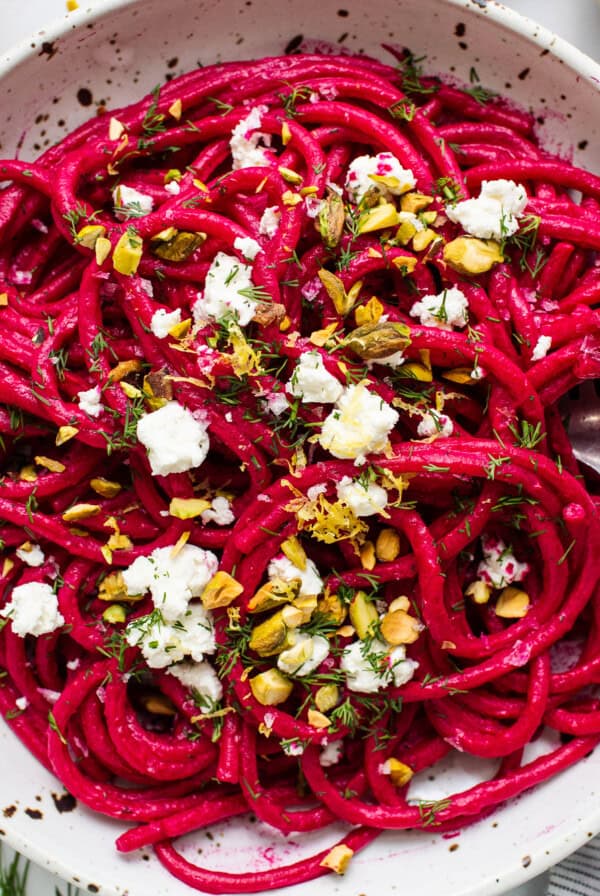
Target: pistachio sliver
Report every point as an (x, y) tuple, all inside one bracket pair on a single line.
[(373, 341)]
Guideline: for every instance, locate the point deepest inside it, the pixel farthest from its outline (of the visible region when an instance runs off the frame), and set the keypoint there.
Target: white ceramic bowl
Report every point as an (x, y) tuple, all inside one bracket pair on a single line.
[(51, 84)]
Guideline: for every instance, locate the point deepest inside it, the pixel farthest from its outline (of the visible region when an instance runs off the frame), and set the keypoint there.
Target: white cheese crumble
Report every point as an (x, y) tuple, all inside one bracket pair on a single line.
[(246, 150), (89, 401), (315, 490), (541, 348), (332, 753), (174, 438), (226, 280), (130, 203), (163, 643), (163, 321), (219, 512), (269, 222), (22, 703), (494, 213), (304, 656), (171, 581), (434, 424), (292, 748), (447, 310), (311, 289), (311, 582), (359, 178), (33, 610), (248, 247), (32, 555), (362, 499), (359, 424), (366, 677), (276, 403), (202, 678), (312, 382), (499, 566), (173, 187)]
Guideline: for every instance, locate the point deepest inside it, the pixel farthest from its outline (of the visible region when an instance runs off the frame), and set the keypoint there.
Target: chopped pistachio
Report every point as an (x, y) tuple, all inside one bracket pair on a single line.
[(123, 369), (327, 697), (273, 594), (28, 473), (416, 371), (398, 627), (129, 390), (188, 508), (405, 263), (180, 543), (469, 255), (512, 603), (114, 614), (128, 253), (332, 607), (369, 313), (80, 512), (221, 591), (331, 219), (405, 232), (102, 249), (7, 566), (178, 247), (293, 550), (338, 858), (158, 704), (115, 129), (317, 719), (89, 235), (173, 174), (399, 773), (399, 603), (3, 299), (461, 375), (271, 636), (424, 238), (180, 330), (271, 687), (286, 134), (293, 617), (480, 592), (112, 588), (290, 198), (363, 615), (49, 463), (378, 218), (307, 604), (175, 110), (367, 555), (289, 175), (415, 202), (342, 301), (373, 341), (320, 337), (387, 546), (64, 434)]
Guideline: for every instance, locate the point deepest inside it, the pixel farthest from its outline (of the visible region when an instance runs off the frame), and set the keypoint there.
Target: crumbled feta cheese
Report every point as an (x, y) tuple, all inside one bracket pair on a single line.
[(312, 382), (22, 278), (72, 665), (269, 222), (362, 499), (89, 401), (541, 348), (446, 310), (226, 280), (304, 656), (49, 695), (359, 179), (359, 424), (33, 610), (361, 676), (202, 678), (283, 568), (315, 490), (174, 438), (246, 150), (32, 555), (163, 643), (434, 424), (130, 203), (173, 187), (313, 206), (311, 289), (276, 403), (146, 286), (248, 247), (22, 703), (499, 566), (332, 753), (171, 581), (395, 360), (219, 512), (293, 748), (494, 213), (163, 321)]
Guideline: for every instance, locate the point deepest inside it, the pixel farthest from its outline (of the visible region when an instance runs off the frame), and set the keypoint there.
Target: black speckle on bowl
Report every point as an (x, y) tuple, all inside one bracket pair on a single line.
[(522, 75), (526, 861), (343, 13), (453, 847), (64, 802), (460, 29), (293, 45), (36, 814), (463, 45), (84, 96), (48, 49), (93, 888), (9, 811)]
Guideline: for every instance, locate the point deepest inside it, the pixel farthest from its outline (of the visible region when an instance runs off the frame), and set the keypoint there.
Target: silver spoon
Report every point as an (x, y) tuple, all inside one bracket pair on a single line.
[(583, 425)]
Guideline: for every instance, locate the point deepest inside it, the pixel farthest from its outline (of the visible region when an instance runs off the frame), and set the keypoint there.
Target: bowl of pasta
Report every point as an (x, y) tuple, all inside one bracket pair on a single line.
[(299, 570)]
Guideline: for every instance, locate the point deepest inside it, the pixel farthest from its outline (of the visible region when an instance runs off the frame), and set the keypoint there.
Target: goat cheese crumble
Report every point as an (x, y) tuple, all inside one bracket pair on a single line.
[(31, 554), (281, 567), (447, 310), (312, 382), (33, 610), (248, 143), (227, 290), (499, 566), (202, 678), (541, 348), (364, 173), (304, 656), (174, 438), (359, 424), (90, 401), (163, 321), (363, 500), (494, 213), (371, 667), (434, 424), (130, 203)]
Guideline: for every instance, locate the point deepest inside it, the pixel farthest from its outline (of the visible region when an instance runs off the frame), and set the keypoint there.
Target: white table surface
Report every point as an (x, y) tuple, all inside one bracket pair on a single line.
[(578, 21)]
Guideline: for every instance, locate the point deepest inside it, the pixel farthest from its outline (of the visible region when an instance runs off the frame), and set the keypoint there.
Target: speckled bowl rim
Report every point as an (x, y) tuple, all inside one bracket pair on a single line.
[(500, 15)]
